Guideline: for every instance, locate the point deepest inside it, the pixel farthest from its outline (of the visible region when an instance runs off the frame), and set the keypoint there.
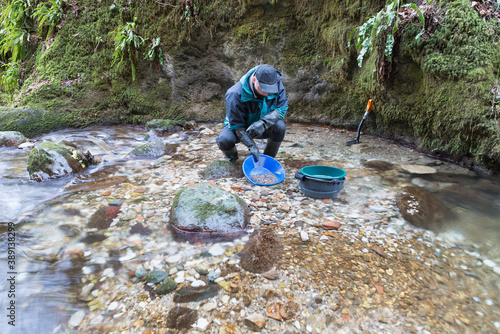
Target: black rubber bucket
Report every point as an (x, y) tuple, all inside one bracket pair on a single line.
[(321, 181)]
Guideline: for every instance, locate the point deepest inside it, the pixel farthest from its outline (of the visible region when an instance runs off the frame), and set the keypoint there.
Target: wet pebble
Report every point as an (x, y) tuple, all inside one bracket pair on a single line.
[(76, 319)]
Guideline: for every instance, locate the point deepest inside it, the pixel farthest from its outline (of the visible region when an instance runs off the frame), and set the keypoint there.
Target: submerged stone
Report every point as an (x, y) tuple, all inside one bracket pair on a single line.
[(419, 169), (422, 209), (92, 238), (222, 168), (51, 160), (206, 213), (140, 229), (141, 272), (152, 150), (255, 322), (195, 294), (163, 125), (97, 184), (70, 230), (11, 138), (169, 125), (379, 165), (156, 276), (168, 285), (103, 217), (181, 317), (261, 252)]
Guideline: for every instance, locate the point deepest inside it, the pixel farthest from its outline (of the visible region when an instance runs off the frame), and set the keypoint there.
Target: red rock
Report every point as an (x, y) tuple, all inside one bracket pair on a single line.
[(330, 225), (102, 218), (106, 193), (379, 250), (380, 289), (78, 252)]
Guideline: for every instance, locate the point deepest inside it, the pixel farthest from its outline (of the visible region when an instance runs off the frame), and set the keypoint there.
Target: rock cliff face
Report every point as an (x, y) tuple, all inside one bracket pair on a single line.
[(439, 92)]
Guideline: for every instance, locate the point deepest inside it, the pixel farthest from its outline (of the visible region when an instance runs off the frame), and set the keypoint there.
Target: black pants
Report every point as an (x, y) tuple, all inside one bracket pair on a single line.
[(227, 139)]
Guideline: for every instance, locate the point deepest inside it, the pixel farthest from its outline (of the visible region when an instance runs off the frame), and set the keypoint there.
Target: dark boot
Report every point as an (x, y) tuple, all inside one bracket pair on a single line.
[(231, 155), (272, 148)]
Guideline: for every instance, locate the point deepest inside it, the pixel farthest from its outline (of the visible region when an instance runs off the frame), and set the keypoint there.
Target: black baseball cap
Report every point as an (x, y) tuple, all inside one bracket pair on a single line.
[(268, 78)]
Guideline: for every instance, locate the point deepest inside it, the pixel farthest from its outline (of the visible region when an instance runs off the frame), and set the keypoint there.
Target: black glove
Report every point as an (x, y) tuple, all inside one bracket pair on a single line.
[(248, 142), (256, 129)]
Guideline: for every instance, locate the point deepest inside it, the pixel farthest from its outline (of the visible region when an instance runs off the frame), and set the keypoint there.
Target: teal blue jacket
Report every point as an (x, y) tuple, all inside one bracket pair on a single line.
[(243, 109)]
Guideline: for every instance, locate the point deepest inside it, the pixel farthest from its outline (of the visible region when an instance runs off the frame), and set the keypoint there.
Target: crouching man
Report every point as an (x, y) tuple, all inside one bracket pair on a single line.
[(255, 107)]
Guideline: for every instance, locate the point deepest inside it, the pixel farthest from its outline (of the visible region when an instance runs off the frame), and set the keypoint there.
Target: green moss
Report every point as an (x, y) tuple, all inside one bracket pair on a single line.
[(438, 97), (39, 159), (207, 210), (464, 46)]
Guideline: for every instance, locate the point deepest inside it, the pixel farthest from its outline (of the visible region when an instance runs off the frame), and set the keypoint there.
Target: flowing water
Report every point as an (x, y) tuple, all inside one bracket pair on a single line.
[(49, 216)]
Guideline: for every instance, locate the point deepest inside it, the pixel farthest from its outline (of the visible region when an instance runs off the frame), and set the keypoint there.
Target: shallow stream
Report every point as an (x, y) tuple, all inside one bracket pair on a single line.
[(51, 217)]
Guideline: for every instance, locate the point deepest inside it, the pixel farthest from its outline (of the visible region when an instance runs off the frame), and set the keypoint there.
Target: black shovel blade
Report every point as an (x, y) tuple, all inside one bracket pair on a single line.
[(352, 142)]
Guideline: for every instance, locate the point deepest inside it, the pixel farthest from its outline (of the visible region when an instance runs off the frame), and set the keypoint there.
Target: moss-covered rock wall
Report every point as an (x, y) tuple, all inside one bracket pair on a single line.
[(440, 94)]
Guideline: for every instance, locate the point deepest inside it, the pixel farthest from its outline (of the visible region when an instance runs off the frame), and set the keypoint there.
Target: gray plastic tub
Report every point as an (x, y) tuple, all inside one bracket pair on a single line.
[(325, 186)]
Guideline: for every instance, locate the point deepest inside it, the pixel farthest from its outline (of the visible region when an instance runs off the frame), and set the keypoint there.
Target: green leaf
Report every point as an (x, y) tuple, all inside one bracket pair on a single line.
[(395, 27), (419, 12), (389, 44)]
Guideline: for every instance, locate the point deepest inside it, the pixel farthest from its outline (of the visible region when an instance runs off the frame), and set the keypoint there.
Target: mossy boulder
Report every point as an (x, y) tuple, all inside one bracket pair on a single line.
[(33, 122), (11, 138), (204, 212), (152, 150), (165, 126), (51, 160)]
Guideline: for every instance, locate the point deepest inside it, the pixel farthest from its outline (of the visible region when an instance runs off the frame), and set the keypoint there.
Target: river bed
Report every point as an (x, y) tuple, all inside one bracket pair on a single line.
[(377, 273)]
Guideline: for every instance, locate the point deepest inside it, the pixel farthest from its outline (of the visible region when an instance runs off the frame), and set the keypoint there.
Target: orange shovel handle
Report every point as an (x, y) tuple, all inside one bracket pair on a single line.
[(369, 106)]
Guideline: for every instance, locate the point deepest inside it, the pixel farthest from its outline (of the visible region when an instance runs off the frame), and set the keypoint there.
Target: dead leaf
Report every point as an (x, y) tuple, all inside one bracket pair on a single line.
[(273, 311)]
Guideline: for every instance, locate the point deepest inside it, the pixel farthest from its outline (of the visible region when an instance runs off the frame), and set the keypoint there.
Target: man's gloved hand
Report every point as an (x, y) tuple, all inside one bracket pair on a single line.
[(255, 152), (256, 129), (248, 142)]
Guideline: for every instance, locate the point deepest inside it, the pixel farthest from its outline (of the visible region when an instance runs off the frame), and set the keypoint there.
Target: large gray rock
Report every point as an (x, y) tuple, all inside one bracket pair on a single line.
[(11, 138), (51, 160), (204, 212)]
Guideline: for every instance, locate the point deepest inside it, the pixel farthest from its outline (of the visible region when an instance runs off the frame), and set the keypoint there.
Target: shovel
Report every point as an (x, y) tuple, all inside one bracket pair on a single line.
[(369, 107)]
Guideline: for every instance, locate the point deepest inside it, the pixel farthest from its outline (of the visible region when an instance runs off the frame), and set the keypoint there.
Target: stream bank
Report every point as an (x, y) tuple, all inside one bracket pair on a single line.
[(440, 92)]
